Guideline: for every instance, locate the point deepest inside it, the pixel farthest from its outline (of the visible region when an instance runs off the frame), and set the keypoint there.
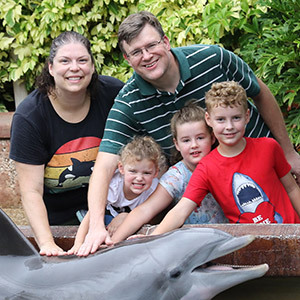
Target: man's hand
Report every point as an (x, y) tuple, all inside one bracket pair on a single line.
[(93, 241)]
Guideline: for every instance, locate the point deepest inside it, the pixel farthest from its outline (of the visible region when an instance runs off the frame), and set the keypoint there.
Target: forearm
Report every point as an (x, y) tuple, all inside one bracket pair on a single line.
[(133, 222), (97, 195), (98, 188), (272, 115), (82, 230), (144, 213), (294, 195), (36, 213), (292, 190), (176, 216), (295, 199), (171, 221)]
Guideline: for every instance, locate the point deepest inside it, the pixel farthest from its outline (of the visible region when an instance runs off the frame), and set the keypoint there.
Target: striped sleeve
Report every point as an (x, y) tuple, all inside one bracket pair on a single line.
[(119, 128)]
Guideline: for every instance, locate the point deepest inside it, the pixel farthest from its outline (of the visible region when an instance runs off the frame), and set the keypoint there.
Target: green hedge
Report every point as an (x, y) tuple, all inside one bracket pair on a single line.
[(265, 33)]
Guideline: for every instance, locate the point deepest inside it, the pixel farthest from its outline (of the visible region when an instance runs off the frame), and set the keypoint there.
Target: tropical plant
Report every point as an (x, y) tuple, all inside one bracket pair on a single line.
[(265, 33)]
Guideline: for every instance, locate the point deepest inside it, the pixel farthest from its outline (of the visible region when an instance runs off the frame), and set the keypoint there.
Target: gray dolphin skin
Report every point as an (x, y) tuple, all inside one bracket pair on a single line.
[(166, 267)]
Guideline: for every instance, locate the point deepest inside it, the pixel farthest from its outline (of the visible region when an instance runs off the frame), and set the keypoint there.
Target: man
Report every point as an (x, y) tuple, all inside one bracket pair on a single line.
[(163, 81)]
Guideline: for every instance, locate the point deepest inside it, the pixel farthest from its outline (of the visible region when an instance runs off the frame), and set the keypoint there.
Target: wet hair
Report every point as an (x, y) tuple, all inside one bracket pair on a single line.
[(131, 27), (227, 93), (143, 147), (45, 82), (190, 112)]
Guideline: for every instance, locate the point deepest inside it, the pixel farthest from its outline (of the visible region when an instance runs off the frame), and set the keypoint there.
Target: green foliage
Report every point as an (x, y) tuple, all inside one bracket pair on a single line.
[(271, 45), (265, 33)]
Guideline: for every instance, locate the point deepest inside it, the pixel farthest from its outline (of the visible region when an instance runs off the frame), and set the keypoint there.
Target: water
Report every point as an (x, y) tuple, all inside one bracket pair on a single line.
[(266, 288)]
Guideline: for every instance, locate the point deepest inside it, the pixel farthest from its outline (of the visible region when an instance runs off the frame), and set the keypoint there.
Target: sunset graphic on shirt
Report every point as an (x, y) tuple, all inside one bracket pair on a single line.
[(72, 164)]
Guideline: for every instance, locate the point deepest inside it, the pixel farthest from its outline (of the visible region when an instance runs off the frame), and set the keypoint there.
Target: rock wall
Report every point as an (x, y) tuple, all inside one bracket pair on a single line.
[(10, 200)]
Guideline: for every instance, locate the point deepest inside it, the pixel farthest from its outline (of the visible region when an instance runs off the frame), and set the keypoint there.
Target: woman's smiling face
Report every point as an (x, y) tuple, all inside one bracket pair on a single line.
[(72, 68)]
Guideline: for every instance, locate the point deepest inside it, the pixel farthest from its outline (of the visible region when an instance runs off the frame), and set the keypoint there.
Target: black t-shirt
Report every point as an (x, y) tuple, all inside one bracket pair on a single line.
[(68, 151)]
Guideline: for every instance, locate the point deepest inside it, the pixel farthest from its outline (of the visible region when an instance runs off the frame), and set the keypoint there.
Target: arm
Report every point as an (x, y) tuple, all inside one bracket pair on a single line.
[(176, 216), (31, 182), (293, 191), (143, 213), (105, 166), (116, 222), (271, 113), (81, 234)]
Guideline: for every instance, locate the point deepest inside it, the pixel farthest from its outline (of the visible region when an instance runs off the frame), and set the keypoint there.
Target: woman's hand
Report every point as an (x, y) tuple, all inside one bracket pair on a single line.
[(51, 249)]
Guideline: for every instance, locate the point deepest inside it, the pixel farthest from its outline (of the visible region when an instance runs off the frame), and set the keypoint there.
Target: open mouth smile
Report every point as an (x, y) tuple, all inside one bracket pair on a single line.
[(151, 64)]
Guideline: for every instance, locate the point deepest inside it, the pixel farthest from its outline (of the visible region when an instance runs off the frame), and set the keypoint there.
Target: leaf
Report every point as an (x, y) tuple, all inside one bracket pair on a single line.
[(10, 18)]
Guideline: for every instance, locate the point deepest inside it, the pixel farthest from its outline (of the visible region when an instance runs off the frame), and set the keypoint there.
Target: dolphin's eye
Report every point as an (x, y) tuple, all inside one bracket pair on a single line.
[(175, 273)]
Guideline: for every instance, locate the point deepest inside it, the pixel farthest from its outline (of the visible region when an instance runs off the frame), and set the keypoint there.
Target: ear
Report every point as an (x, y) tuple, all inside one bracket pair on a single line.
[(121, 168), (167, 42), (176, 144), (247, 116), (213, 138), (50, 69), (207, 119), (127, 59)]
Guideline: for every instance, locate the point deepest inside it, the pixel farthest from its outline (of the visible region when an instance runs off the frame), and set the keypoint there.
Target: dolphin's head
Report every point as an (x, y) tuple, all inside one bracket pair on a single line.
[(166, 267), (184, 258)]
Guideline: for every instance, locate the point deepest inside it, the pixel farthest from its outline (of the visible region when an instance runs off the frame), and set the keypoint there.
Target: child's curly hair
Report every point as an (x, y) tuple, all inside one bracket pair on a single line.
[(227, 93), (143, 147)]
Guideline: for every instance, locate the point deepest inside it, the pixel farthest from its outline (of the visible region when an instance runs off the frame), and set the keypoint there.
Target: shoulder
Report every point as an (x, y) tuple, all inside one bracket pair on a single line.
[(33, 109), (178, 171), (107, 87), (109, 81), (197, 49), (33, 102), (262, 141), (209, 162)]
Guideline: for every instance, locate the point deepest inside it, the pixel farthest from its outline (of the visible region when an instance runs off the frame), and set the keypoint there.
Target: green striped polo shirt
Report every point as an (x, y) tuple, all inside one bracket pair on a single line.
[(141, 109)]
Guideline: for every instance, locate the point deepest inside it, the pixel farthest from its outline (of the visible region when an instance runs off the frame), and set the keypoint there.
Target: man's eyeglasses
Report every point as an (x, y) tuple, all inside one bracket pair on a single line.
[(137, 53)]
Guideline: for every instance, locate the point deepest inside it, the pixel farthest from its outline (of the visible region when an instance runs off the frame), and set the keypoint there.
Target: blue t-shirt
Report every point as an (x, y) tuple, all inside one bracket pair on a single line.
[(175, 181)]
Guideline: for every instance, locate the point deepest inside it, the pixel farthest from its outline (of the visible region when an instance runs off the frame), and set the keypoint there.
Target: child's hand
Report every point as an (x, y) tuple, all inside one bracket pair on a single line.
[(115, 223), (74, 249)]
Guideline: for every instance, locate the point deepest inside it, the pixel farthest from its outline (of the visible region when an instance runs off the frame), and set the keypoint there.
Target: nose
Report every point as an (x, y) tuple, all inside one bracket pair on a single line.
[(74, 66), (194, 143), (146, 54), (139, 176), (229, 125)]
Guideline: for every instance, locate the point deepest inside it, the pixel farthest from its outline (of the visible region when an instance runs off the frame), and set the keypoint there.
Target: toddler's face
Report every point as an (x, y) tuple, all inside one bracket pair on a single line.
[(138, 176)]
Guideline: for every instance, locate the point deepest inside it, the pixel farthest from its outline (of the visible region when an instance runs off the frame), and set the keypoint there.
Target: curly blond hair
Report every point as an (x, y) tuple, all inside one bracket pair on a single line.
[(143, 147), (227, 93)]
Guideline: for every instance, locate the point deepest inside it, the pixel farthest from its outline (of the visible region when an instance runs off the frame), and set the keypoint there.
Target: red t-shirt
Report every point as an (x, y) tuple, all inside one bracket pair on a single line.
[(247, 186)]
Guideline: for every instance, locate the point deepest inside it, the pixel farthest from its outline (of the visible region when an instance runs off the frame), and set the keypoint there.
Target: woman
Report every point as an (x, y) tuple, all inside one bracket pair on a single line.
[(55, 136)]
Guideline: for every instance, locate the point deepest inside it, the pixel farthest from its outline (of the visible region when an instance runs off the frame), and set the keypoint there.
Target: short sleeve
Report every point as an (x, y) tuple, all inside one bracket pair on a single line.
[(26, 143)]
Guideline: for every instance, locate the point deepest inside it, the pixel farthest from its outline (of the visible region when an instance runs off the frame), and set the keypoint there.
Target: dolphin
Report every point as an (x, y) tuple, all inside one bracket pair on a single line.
[(165, 267)]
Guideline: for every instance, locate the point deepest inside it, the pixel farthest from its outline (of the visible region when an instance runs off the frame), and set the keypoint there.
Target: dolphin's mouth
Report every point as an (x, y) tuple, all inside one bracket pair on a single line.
[(211, 267)]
